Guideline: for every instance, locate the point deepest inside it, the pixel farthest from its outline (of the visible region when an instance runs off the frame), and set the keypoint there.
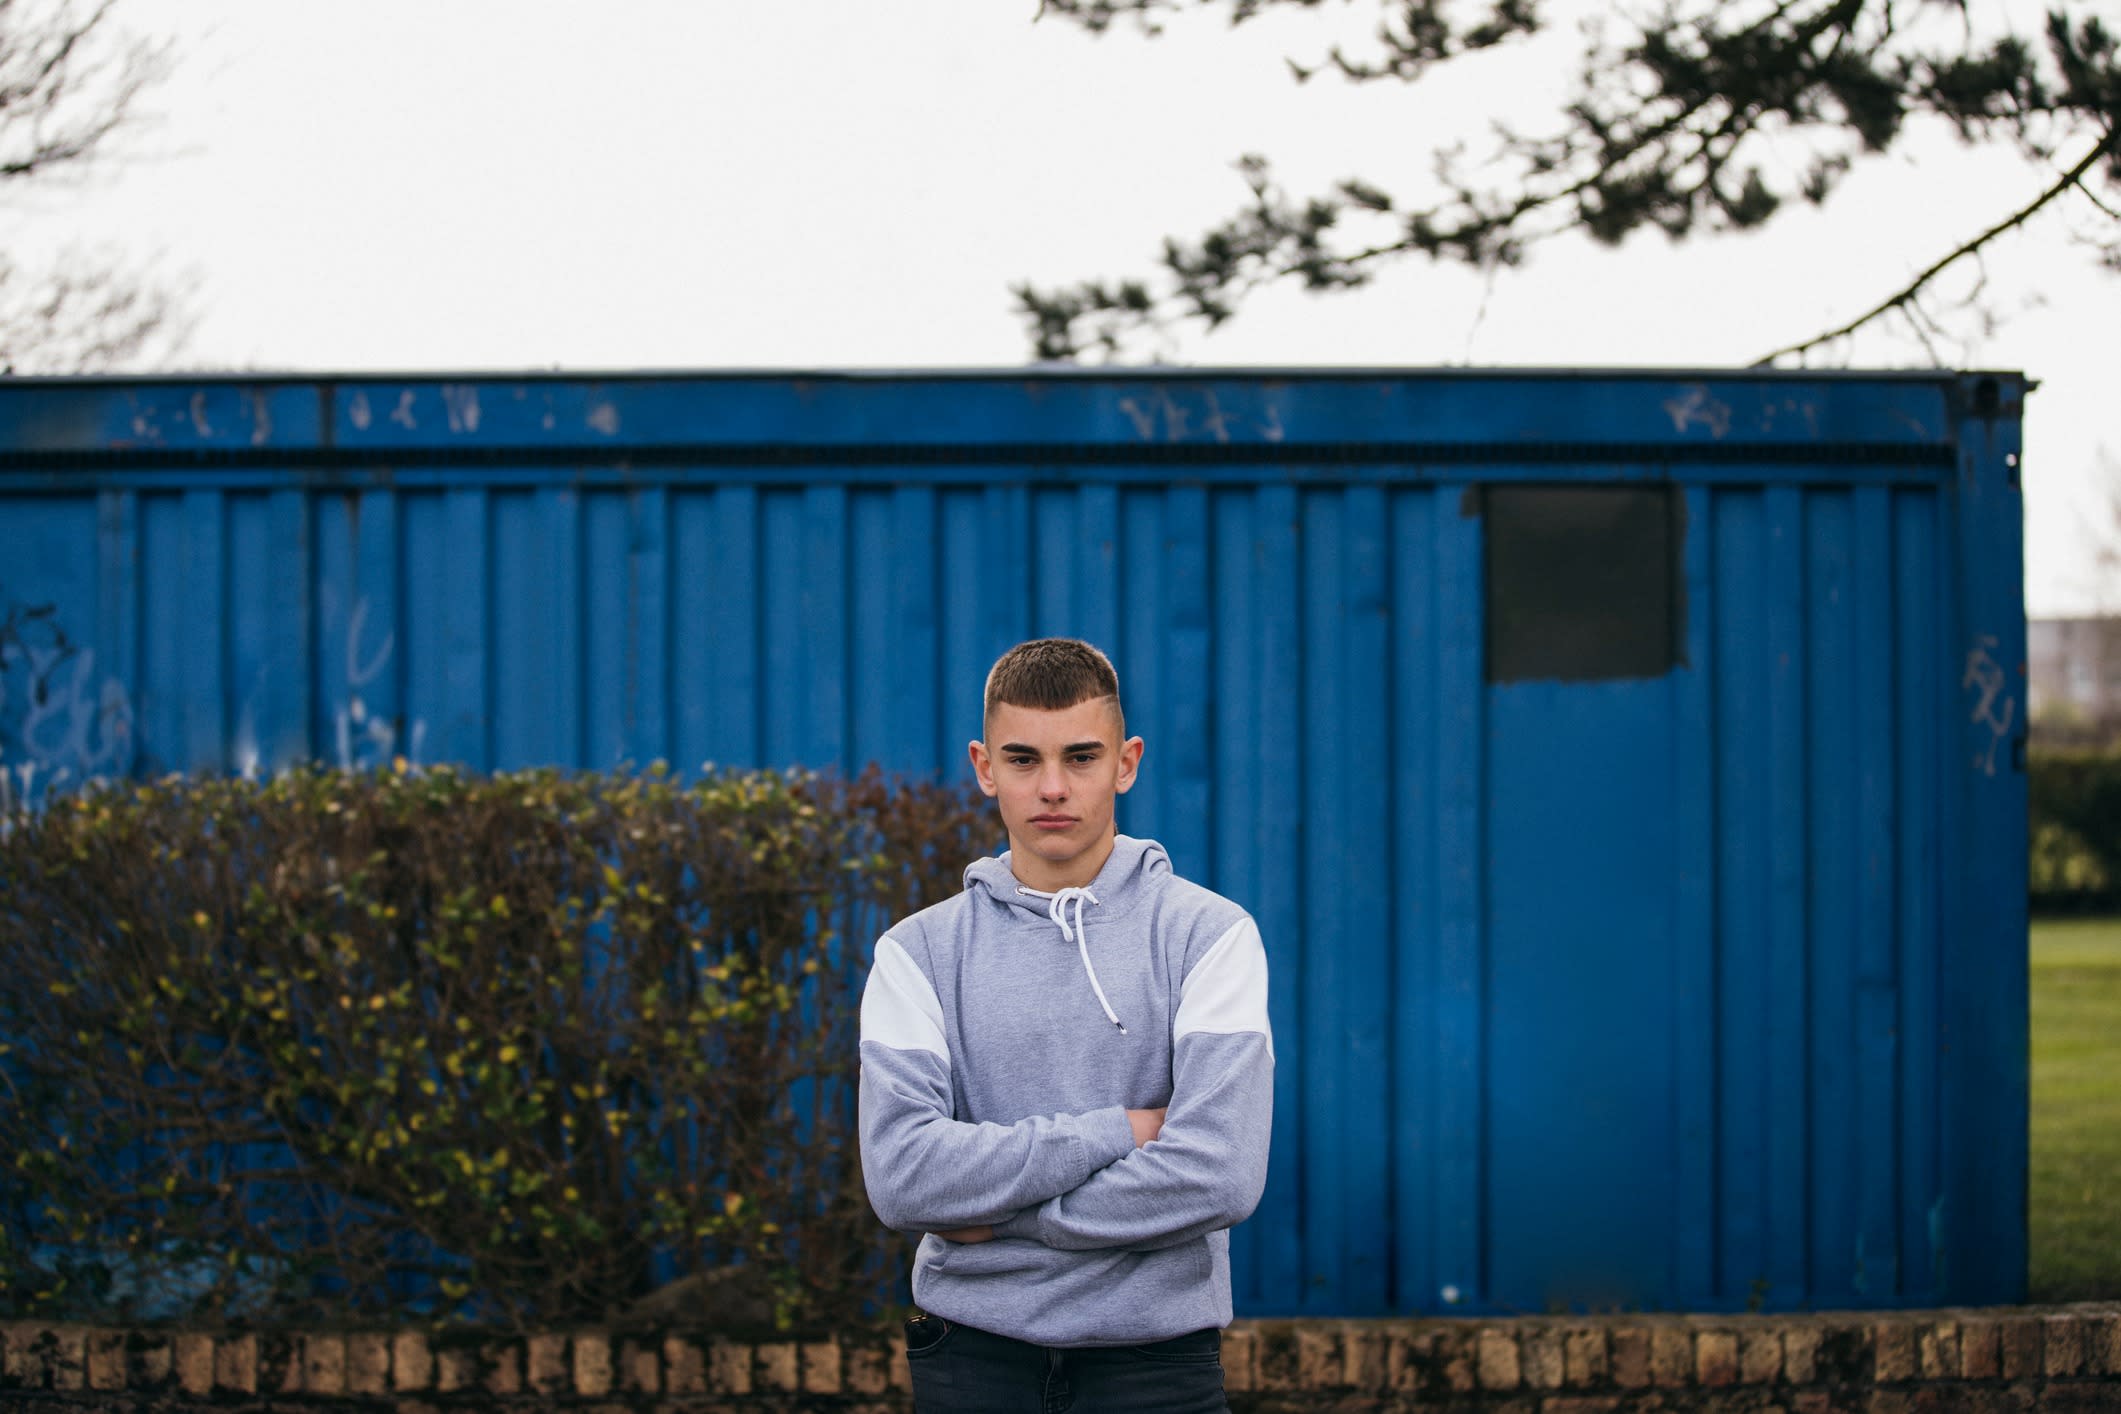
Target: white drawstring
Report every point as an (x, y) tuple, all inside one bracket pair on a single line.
[(1056, 909)]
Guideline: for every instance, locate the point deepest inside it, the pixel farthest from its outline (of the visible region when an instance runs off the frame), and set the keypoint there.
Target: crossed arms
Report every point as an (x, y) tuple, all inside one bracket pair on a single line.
[(1108, 1178), (1146, 1125)]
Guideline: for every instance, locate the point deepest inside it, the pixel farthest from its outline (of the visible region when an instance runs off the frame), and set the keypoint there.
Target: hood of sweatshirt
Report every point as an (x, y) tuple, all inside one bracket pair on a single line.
[(1121, 884)]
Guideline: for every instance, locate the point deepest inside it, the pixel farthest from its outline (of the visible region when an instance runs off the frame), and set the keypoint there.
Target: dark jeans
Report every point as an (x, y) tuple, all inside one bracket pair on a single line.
[(957, 1368)]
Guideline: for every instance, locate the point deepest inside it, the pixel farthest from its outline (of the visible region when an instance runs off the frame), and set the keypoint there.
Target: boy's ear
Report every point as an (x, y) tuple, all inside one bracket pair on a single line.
[(1130, 760), (982, 766)]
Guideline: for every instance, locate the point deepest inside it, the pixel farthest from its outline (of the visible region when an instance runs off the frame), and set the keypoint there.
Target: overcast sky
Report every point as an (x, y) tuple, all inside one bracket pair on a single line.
[(472, 184)]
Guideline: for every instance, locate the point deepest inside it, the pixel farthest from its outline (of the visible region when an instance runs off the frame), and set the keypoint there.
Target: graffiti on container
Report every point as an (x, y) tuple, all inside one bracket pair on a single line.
[(1697, 404), (462, 409), (1164, 418), (1795, 409), (194, 415), (364, 739), (247, 755), (1994, 708), (75, 727), (146, 422), (461, 402), (81, 725)]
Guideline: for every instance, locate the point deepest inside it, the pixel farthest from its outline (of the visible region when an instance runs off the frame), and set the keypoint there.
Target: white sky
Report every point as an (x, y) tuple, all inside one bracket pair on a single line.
[(504, 184)]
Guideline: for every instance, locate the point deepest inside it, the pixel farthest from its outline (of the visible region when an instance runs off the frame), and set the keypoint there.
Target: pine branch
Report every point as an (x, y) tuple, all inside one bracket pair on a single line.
[(2093, 197), (1905, 295)]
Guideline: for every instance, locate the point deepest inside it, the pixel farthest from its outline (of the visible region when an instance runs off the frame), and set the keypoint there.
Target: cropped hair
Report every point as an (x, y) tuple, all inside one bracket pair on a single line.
[(1052, 674)]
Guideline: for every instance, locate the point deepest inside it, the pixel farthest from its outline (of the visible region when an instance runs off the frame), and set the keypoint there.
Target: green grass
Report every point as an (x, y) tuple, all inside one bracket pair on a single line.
[(2075, 1179)]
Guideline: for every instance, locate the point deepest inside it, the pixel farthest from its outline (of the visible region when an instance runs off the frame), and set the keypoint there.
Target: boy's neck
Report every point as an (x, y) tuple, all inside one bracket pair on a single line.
[(1035, 873)]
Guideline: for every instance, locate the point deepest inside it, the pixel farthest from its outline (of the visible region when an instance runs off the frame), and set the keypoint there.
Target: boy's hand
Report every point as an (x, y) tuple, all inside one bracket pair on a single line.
[(968, 1234), (1147, 1125)]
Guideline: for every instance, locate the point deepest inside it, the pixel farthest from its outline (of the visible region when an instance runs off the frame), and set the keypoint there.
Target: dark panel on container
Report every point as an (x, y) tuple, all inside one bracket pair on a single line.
[(1583, 582)]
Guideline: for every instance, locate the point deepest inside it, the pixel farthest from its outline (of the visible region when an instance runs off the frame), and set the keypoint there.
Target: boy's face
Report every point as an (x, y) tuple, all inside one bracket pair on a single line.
[(1054, 775)]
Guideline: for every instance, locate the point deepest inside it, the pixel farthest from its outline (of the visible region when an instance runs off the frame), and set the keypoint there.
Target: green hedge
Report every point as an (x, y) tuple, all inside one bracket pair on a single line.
[(2075, 807), (514, 1048)]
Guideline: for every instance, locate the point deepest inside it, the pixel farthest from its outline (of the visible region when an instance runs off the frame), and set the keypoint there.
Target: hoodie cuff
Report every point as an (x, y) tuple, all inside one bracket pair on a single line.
[(1107, 1138), (1023, 1223)]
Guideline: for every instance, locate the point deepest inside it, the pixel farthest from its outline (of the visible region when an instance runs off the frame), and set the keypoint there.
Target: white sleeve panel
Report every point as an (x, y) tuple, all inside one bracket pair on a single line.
[(1226, 992), (899, 1005)]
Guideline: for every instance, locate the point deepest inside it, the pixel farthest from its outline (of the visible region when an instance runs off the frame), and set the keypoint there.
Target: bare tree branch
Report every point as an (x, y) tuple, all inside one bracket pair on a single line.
[(71, 83), (1687, 121), (1902, 297)]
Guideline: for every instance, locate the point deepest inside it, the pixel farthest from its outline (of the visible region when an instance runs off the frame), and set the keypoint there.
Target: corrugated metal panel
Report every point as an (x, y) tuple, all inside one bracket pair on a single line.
[(1702, 988)]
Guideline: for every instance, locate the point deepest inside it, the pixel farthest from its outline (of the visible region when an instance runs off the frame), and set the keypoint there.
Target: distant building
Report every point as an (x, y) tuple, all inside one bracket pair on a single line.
[(2074, 678)]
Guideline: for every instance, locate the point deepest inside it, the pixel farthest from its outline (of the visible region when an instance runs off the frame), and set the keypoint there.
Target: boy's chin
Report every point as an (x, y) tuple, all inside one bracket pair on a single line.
[(1057, 847)]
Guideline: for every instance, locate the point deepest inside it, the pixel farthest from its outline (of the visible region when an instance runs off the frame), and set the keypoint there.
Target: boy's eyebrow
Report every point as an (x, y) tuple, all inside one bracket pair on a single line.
[(1017, 748)]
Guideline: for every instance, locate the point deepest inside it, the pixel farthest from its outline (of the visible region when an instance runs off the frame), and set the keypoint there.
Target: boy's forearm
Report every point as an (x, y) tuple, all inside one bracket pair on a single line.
[(1205, 1172), (1146, 1124), (926, 1172)]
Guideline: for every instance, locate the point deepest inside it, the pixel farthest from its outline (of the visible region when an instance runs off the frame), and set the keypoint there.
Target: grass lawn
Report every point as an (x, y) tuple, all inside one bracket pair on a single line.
[(2075, 1179)]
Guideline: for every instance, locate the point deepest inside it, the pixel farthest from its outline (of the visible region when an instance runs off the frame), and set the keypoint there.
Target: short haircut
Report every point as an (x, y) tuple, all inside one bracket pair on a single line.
[(1051, 675)]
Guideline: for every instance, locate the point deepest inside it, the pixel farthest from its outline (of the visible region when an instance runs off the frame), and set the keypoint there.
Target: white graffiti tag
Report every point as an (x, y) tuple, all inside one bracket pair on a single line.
[(1195, 416), (74, 729), (1994, 709), (364, 739)]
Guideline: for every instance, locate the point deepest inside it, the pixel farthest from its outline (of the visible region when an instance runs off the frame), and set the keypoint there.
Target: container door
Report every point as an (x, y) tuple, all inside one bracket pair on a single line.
[(1586, 620)]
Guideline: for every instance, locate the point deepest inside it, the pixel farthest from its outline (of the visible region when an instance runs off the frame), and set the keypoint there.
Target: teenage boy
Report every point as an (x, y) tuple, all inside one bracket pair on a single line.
[(1067, 1082)]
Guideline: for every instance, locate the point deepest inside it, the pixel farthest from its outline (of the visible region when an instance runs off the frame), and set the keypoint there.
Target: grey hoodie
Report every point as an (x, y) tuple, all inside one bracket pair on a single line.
[(1005, 1033)]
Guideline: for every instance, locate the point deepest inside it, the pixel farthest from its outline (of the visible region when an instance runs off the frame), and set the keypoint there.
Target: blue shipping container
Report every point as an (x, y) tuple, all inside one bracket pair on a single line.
[(1625, 768)]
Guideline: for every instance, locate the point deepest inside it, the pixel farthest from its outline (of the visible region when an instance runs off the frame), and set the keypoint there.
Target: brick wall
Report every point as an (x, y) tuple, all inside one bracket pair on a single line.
[(2054, 1358)]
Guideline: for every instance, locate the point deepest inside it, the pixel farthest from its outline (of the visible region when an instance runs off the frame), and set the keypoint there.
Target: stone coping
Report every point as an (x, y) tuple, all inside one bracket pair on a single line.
[(2057, 1357)]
